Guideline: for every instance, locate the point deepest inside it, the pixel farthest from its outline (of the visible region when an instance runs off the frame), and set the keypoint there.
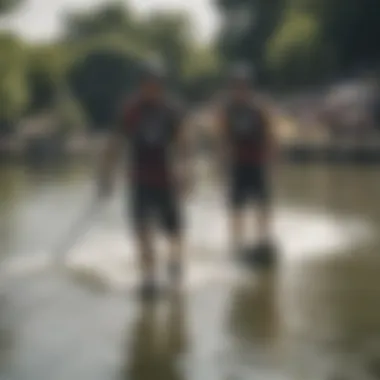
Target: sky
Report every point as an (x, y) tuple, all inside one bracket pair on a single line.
[(41, 19)]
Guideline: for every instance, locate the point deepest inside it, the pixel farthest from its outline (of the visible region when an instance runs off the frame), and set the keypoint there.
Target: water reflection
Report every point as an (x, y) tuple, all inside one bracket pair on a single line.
[(319, 318), (254, 324), (156, 344), (254, 312), (340, 190), (11, 188), (37, 203), (332, 317), (6, 338)]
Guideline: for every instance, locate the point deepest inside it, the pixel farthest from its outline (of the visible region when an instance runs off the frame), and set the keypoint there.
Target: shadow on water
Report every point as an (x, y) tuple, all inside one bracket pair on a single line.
[(157, 342)]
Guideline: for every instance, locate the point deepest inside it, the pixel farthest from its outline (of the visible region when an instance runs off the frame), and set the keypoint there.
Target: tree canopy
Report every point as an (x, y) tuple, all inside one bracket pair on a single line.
[(13, 85), (9, 5), (95, 61), (301, 41)]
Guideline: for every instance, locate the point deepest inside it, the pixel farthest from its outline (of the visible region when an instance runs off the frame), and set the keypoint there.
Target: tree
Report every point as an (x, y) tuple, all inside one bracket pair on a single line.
[(297, 53), (201, 73), (101, 78), (9, 5), (248, 26), (167, 36), (161, 35), (304, 40), (113, 18), (45, 74), (353, 26), (69, 113), (13, 86)]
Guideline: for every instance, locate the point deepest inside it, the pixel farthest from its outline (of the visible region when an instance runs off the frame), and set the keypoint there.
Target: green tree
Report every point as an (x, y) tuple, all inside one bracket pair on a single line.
[(45, 72), (302, 40), (353, 26), (201, 73), (163, 36), (9, 5), (111, 19), (297, 53), (247, 27), (109, 44), (168, 37), (350, 27), (101, 78), (69, 113), (13, 86)]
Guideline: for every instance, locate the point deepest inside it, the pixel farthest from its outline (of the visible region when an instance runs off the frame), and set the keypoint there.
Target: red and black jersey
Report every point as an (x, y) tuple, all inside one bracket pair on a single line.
[(151, 129), (246, 131)]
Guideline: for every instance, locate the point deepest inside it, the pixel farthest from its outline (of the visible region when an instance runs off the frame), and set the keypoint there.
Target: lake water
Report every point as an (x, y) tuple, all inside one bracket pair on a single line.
[(316, 317)]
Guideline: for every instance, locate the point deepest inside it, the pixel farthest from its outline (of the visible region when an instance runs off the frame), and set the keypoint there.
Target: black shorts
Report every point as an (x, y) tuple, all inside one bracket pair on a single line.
[(248, 184), (155, 204)]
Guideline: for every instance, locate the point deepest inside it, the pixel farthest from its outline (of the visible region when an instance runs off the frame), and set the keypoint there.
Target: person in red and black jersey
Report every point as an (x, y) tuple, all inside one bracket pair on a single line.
[(247, 148), (150, 127)]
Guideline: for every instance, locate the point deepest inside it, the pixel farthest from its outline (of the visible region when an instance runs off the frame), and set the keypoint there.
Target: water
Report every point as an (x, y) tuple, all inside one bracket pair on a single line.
[(317, 317)]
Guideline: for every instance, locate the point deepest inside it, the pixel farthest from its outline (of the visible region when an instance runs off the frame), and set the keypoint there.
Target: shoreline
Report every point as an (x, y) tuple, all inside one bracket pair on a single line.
[(294, 153), (332, 153)]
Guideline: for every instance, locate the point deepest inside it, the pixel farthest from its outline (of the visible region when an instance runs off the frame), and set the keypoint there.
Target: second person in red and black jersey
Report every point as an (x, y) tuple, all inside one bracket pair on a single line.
[(150, 128), (247, 148)]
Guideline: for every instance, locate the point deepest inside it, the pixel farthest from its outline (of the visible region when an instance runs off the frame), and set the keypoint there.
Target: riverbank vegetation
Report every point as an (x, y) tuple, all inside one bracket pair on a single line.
[(80, 78)]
